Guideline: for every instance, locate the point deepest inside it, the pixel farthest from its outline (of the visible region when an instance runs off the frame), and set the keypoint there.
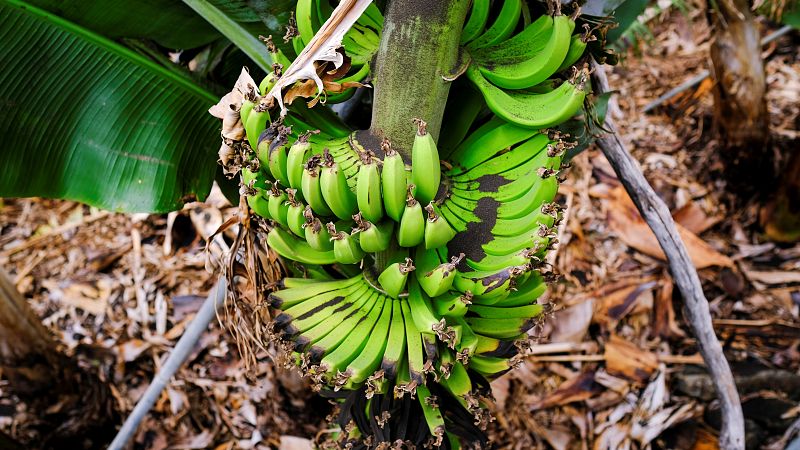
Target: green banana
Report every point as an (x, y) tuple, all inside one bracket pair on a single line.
[(369, 360), (278, 210), (437, 231), (311, 189), (425, 170), (412, 224), (338, 196), (292, 248), (259, 205), (577, 45), (339, 330), (479, 14), (452, 304), (529, 57), (502, 27), (310, 327), (337, 360), (433, 415), (435, 277), (373, 237), (316, 237), (416, 357), (345, 246), (396, 346), (368, 189), (393, 183), (256, 123), (486, 142), (393, 278), (295, 214), (295, 161), (501, 328), (499, 312), (533, 110), (286, 298), (490, 367)]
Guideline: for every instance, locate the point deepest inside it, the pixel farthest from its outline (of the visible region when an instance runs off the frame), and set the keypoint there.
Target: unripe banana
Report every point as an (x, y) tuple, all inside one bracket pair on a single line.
[(245, 110), (277, 154), (393, 183), (368, 188), (412, 224), (310, 186), (393, 278), (439, 280), (295, 217), (256, 123), (267, 83), (278, 210), (437, 231), (259, 205), (337, 194), (316, 237), (296, 159), (426, 172), (374, 237), (345, 246)]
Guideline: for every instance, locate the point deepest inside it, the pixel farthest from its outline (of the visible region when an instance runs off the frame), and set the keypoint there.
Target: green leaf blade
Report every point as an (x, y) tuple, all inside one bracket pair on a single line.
[(85, 119)]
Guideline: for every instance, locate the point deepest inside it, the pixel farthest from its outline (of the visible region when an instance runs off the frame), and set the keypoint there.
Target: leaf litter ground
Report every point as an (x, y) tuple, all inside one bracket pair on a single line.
[(615, 367)]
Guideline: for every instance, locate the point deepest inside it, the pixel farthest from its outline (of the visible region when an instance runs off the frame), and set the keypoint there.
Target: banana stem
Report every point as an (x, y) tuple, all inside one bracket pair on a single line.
[(418, 48)]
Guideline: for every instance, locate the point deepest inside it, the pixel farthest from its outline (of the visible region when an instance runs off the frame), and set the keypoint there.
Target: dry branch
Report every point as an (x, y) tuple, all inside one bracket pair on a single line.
[(658, 217)]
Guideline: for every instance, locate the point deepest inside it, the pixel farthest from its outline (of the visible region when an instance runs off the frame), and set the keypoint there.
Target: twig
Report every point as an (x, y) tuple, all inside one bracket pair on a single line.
[(658, 217), (175, 360), (697, 79)]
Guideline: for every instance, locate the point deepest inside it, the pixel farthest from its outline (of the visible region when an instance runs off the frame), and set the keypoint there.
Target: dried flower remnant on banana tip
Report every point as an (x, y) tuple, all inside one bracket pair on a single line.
[(324, 47)]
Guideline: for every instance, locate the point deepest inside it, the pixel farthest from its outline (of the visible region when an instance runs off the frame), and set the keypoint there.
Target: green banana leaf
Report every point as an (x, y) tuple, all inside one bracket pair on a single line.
[(171, 23), (86, 119)]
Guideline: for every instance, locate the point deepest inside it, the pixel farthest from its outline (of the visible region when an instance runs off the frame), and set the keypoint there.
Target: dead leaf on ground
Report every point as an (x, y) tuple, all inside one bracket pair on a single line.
[(294, 443), (664, 324), (577, 389), (628, 225), (692, 217), (570, 324), (615, 301), (625, 359), (773, 276)]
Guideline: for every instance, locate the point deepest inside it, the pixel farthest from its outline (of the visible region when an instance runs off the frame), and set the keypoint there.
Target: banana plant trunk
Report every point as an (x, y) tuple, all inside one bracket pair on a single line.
[(74, 407), (740, 109), (418, 51)]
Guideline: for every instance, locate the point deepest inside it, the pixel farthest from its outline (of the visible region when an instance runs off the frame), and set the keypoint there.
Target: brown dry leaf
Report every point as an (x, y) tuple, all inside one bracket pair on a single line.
[(558, 437), (132, 349), (294, 443), (705, 440), (629, 361), (773, 276), (90, 298), (615, 302), (692, 217), (614, 437), (628, 225), (664, 324), (570, 324), (577, 389)]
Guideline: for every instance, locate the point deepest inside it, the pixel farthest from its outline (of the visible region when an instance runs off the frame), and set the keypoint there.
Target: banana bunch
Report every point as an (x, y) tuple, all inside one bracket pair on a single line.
[(513, 70), (423, 266)]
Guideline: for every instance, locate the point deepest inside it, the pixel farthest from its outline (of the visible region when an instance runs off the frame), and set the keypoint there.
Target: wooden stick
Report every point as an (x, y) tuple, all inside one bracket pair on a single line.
[(658, 217)]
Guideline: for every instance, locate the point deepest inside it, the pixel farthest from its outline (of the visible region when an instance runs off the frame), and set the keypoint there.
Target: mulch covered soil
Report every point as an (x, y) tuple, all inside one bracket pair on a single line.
[(615, 366)]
